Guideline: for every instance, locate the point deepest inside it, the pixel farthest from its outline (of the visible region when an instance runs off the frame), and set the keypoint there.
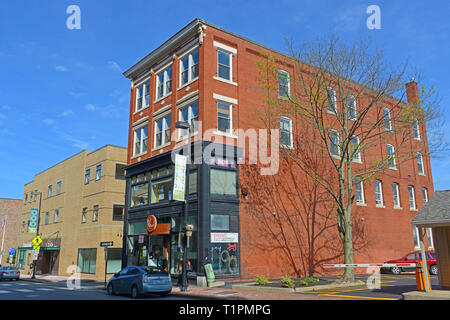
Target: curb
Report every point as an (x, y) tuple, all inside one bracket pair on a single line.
[(254, 287)]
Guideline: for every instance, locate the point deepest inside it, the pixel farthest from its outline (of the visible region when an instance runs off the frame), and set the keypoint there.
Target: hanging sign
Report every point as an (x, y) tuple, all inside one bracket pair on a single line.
[(33, 220), (179, 181), (151, 223)]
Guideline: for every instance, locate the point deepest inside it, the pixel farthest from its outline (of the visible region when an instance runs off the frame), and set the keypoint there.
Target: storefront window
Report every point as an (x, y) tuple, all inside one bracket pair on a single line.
[(176, 246), (114, 260), (139, 190), (220, 222), (225, 258), (87, 259), (223, 182), (162, 184)]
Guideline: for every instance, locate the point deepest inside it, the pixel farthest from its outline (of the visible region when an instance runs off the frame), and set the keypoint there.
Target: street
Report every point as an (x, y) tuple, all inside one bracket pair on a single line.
[(30, 290)]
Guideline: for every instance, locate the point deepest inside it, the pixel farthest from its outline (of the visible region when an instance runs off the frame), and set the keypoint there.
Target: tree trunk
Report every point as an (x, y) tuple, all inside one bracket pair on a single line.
[(349, 274)]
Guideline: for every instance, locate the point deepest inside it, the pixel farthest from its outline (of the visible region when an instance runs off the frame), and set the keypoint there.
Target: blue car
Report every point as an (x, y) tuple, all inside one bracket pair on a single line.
[(9, 273), (137, 280)]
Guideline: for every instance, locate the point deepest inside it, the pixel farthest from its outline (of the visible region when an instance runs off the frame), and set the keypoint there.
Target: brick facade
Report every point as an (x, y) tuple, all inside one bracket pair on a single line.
[(10, 208)]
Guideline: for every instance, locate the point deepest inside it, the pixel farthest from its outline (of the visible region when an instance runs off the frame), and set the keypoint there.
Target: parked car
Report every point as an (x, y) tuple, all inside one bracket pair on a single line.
[(137, 280), (9, 273), (413, 257)]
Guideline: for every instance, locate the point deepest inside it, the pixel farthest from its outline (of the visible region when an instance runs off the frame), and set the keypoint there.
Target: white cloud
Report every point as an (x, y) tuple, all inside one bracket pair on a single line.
[(66, 113), (115, 66), (48, 121), (61, 68), (2, 116), (6, 107), (76, 142), (90, 107)]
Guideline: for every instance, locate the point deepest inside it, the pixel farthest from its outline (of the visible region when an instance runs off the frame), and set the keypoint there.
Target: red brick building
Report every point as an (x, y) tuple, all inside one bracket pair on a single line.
[(208, 76), (10, 209)]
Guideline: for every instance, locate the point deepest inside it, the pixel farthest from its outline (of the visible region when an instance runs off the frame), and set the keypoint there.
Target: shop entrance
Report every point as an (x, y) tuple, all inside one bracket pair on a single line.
[(158, 251)]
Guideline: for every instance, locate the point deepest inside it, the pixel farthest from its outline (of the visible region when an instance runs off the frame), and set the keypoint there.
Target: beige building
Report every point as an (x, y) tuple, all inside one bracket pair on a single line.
[(82, 200)]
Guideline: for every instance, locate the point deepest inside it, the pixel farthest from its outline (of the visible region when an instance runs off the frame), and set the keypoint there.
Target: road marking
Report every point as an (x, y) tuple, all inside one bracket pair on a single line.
[(356, 297)]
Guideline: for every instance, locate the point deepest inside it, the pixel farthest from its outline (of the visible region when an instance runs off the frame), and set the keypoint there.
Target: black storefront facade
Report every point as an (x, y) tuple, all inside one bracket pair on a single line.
[(213, 211)]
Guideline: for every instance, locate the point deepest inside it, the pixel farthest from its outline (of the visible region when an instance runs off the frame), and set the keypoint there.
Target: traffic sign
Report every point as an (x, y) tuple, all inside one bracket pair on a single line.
[(106, 244), (12, 251), (37, 241)]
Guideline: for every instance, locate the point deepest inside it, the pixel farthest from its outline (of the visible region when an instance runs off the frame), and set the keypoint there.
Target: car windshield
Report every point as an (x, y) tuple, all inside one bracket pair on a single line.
[(432, 254), (7, 268), (154, 270)]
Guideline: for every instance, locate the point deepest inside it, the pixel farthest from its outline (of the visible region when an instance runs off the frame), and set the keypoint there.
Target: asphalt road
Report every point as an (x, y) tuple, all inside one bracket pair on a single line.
[(391, 288), (30, 290)]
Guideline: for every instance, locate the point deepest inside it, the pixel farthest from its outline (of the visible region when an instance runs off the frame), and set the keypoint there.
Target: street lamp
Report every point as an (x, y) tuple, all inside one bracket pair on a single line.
[(33, 276), (186, 126)]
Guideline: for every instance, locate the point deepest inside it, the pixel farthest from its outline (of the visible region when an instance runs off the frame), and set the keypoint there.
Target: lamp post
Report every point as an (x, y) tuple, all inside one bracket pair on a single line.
[(185, 125), (33, 276)]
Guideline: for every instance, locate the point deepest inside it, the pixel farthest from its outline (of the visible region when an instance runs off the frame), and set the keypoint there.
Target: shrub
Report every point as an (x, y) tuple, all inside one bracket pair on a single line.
[(286, 281), (311, 280), (262, 281), (303, 283)]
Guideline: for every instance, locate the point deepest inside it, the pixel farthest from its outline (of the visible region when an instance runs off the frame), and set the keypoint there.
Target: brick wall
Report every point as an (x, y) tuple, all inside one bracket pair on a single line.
[(11, 208)]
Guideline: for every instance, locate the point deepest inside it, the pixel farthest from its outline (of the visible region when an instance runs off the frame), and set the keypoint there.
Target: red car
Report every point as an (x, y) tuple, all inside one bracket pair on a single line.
[(414, 257)]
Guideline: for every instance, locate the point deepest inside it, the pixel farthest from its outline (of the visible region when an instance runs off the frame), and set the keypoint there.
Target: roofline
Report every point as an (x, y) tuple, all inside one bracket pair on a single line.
[(105, 146)]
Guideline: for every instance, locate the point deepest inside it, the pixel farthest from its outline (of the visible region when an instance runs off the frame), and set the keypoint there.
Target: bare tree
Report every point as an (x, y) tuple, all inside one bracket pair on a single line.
[(352, 101)]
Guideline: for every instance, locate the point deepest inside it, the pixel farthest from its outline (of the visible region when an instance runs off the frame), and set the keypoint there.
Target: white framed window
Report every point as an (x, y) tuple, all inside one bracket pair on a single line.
[(416, 237), (286, 132), (334, 143), (142, 95), (83, 215), (391, 157), (412, 198), (162, 131), (355, 149), (284, 86), (189, 114), (87, 176), (387, 119), (189, 67), (58, 187), (378, 193), (164, 83), (140, 140), (430, 238), (424, 195), (351, 104), (359, 191), (420, 168), (95, 213), (416, 129), (395, 195), (224, 117), (331, 100), (56, 216), (49, 191), (224, 64)]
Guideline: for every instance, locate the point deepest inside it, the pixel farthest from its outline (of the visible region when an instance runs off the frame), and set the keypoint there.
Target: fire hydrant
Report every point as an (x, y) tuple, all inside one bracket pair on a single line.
[(420, 278)]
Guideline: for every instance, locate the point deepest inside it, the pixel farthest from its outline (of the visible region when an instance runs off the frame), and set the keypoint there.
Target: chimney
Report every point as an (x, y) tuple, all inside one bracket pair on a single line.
[(412, 92)]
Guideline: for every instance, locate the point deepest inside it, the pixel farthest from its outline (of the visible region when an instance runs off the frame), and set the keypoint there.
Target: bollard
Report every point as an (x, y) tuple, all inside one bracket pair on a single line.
[(420, 278)]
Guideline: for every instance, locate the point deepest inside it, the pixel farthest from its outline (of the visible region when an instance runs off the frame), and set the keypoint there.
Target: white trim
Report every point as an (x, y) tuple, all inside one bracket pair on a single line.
[(162, 112), (380, 192), (225, 99), (397, 190), (291, 145), (146, 76), (187, 99), (225, 80), (140, 122), (231, 66), (288, 83), (224, 47), (229, 134), (413, 198), (188, 48), (363, 202)]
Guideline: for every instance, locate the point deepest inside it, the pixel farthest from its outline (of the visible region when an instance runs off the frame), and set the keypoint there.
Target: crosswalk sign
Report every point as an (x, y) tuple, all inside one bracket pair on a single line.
[(37, 241)]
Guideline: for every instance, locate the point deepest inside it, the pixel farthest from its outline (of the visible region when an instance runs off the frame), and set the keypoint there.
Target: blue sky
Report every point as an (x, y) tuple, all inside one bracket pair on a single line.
[(62, 91)]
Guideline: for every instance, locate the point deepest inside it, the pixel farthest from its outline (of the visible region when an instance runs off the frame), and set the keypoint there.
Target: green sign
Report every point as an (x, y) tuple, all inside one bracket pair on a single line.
[(179, 183), (209, 273)]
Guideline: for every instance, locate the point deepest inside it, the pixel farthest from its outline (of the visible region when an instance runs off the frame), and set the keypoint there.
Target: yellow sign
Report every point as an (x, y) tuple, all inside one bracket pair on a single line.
[(36, 247), (37, 241)]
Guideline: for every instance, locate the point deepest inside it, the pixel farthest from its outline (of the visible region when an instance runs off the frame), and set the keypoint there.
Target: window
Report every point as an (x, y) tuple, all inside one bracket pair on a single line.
[(331, 100), (98, 172), (391, 157), (140, 140), (162, 184), (283, 84), (224, 116), (56, 216), (23, 226), (419, 158), (26, 198), (378, 193), (351, 104), (334, 143), (387, 119), (83, 215), (49, 191), (224, 64), (47, 218), (139, 190), (412, 198), (189, 67), (117, 212), (87, 176), (359, 190), (425, 195), (95, 213), (87, 260), (164, 83), (286, 132), (162, 131), (120, 172), (58, 187), (220, 222), (190, 115), (430, 238), (416, 129), (223, 182), (395, 195), (143, 95), (355, 149), (193, 182), (416, 237)]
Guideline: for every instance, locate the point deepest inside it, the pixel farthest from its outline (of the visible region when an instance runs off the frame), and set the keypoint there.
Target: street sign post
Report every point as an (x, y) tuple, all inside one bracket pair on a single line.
[(105, 245)]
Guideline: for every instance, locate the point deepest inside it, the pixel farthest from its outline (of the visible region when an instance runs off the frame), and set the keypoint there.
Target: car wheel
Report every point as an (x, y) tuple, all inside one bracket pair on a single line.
[(134, 292), (164, 294), (110, 290), (434, 269), (396, 270)]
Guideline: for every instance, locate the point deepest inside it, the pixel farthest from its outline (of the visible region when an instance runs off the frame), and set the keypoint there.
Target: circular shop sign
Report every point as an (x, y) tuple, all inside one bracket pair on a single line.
[(151, 223)]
